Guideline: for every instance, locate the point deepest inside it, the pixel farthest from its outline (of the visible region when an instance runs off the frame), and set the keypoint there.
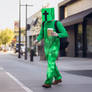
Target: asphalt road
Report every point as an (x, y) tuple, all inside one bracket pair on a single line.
[(24, 76)]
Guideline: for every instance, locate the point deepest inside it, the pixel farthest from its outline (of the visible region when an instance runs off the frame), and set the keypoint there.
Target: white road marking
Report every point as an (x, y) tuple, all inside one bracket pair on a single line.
[(19, 83)]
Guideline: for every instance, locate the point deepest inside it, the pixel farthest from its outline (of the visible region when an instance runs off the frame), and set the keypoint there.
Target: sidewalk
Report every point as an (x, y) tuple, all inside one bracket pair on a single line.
[(65, 63), (76, 73), (80, 66)]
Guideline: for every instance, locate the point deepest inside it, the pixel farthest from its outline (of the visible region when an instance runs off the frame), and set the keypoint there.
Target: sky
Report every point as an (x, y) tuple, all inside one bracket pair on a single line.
[(9, 10)]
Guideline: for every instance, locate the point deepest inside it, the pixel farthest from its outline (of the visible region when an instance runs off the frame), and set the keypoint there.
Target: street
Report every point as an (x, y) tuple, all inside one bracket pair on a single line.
[(18, 75)]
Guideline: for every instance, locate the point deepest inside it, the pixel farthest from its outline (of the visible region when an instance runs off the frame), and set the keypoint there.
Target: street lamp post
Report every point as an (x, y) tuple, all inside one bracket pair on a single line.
[(19, 53), (26, 32), (26, 36)]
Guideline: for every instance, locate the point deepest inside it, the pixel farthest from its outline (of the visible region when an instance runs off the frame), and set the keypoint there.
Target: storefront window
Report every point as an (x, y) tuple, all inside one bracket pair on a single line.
[(89, 35), (79, 38)]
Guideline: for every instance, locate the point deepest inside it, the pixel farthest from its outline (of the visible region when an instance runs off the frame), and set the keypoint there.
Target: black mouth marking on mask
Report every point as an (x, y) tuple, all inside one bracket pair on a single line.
[(45, 13)]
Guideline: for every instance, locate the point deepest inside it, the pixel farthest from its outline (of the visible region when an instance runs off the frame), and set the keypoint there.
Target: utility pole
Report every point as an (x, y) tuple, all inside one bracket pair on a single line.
[(19, 53), (26, 32), (26, 36)]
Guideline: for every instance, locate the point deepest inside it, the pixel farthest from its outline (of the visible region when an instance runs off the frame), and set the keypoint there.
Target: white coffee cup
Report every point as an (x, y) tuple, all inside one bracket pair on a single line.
[(49, 31)]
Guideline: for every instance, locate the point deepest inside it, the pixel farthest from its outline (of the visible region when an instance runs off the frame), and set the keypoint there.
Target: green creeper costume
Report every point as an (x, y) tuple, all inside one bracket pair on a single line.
[(51, 43)]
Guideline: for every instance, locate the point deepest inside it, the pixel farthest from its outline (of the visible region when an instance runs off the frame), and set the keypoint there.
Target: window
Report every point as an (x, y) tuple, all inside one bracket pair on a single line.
[(89, 35), (61, 13)]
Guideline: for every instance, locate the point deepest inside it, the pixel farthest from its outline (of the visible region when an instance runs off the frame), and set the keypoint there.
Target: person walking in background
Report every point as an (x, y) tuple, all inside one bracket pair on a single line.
[(51, 45)]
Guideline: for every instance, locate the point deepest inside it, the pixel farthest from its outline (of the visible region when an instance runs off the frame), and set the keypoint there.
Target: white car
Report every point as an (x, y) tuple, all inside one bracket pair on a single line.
[(23, 49)]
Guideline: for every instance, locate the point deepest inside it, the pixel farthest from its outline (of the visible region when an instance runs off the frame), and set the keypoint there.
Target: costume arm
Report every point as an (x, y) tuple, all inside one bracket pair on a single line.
[(63, 33), (40, 37)]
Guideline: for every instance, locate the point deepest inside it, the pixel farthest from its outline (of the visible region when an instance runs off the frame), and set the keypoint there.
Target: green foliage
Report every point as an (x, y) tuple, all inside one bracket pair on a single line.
[(0, 39), (6, 36)]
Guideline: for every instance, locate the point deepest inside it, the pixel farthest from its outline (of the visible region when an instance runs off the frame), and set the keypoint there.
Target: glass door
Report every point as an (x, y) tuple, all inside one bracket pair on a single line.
[(79, 40), (89, 37)]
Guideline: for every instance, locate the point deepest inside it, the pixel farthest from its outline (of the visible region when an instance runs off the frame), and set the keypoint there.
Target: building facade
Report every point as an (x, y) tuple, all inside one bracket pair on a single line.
[(76, 16), (35, 25), (16, 32)]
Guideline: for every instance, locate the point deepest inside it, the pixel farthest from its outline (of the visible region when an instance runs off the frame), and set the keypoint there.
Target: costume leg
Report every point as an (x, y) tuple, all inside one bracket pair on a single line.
[(52, 70), (57, 74)]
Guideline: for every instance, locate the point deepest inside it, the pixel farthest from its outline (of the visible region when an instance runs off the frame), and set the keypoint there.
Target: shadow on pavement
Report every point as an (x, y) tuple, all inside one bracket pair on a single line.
[(87, 73)]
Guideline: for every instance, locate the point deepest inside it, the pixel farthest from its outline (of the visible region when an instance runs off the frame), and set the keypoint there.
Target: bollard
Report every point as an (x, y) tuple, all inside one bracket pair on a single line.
[(31, 55)]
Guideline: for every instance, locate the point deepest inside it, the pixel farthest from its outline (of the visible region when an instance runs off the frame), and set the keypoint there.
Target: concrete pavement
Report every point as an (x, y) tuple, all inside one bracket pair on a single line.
[(76, 73), (65, 63), (8, 83)]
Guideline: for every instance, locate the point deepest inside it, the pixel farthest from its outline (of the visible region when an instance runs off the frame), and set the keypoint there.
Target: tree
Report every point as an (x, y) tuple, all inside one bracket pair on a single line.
[(0, 40), (6, 36)]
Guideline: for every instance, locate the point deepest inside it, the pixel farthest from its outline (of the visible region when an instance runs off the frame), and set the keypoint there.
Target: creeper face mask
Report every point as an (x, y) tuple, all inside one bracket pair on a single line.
[(47, 14)]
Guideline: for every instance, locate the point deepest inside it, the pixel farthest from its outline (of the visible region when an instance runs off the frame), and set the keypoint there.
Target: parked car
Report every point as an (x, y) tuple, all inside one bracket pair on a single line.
[(22, 48)]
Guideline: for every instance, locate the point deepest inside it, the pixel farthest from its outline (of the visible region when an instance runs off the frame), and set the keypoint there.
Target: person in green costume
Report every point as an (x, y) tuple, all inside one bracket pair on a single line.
[(51, 45)]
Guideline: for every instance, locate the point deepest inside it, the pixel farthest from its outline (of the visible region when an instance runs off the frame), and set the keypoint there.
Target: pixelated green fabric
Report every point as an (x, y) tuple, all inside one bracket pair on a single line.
[(50, 14), (51, 48)]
